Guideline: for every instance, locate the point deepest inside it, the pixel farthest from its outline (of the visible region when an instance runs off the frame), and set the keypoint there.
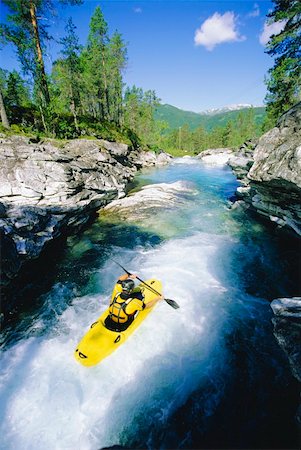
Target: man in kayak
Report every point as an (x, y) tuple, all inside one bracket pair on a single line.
[(126, 304)]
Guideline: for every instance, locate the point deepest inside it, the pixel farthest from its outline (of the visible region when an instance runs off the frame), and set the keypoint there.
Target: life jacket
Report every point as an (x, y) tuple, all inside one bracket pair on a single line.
[(117, 308)]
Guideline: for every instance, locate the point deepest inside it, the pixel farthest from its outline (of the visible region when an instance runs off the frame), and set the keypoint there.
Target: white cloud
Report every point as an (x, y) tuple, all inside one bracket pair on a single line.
[(255, 12), (137, 10), (270, 29), (218, 29)]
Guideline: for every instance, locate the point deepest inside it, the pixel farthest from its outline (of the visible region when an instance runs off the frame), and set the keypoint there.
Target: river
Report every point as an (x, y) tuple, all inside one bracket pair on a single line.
[(208, 375)]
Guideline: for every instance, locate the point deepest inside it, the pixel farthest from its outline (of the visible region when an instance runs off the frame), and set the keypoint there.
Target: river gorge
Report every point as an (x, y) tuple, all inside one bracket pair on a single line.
[(220, 230), (209, 375)]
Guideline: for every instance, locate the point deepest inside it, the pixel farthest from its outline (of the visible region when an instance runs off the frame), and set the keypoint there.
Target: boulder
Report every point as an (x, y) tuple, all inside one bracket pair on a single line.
[(271, 180), (241, 165), (287, 330), (216, 156), (150, 158), (149, 200)]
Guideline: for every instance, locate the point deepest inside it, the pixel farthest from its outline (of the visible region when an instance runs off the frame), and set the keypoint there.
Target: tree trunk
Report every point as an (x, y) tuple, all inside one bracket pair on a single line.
[(73, 109), (43, 80), (106, 93), (4, 118), (43, 119)]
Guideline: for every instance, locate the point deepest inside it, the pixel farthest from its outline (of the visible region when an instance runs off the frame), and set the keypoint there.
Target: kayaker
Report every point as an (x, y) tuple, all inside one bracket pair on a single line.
[(126, 304)]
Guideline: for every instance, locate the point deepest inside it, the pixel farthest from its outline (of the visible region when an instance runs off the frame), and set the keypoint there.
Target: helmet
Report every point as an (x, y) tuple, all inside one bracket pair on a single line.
[(127, 285)]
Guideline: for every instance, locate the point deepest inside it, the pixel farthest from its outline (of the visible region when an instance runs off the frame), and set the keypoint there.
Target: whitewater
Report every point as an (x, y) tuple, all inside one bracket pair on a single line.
[(187, 377)]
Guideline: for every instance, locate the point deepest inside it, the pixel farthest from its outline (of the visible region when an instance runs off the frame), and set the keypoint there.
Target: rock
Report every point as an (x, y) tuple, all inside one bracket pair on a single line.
[(149, 200), (287, 330), (10, 259), (47, 192), (217, 156), (240, 165), (287, 307), (273, 177), (148, 159), (115, 149)]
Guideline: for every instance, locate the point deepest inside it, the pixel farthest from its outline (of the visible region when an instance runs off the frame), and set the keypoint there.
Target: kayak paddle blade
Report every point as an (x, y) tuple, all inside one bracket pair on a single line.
[(172, 303)]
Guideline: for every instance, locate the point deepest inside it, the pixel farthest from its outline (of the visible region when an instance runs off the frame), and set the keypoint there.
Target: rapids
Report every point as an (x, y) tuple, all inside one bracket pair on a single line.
[(209, 375)]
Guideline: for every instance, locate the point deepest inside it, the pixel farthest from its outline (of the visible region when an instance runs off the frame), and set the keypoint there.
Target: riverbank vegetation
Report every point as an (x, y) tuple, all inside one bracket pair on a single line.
[(84, 95)]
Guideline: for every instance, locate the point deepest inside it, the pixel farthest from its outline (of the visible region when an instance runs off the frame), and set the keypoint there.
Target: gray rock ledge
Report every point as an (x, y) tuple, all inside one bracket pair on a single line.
[(47, 191), (287, 331), (271, 177), (149, 200)]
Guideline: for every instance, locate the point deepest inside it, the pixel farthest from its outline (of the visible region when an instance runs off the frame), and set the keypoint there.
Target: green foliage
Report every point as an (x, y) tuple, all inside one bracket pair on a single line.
[(117, 59), (86, 95), (175, 117), (284, 78), (26, 30), (183, 141), (85, 86), (139, 107), (17, 91), (66, 75), (96, 66)]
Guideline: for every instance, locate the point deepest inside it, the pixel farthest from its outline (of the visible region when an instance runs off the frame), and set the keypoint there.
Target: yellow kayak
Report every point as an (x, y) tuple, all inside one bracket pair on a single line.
[(99, 342)]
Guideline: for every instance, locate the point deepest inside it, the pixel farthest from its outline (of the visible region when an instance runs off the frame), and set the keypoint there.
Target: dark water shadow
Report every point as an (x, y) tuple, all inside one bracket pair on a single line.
[(248, 403), (255, 405), (74, 272), (266, 262)]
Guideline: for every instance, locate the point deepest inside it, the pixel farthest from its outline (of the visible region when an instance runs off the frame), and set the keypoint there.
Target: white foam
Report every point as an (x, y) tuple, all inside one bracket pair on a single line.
[(51, 402)]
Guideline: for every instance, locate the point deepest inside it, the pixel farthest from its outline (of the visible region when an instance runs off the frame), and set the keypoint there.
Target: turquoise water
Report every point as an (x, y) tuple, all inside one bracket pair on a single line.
[(209, 375)]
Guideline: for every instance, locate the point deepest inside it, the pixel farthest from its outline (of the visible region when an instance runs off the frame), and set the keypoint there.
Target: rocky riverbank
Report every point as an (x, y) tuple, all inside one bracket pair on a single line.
[(269, 172), (47, 191), (271, 176)]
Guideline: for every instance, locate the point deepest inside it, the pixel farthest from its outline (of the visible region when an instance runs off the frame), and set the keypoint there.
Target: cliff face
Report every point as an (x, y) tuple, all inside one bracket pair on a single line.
[(47, 192), (272, 184)]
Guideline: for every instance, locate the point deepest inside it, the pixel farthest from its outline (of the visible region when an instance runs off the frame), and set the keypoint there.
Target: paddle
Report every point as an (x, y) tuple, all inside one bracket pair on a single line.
[(171, 302)]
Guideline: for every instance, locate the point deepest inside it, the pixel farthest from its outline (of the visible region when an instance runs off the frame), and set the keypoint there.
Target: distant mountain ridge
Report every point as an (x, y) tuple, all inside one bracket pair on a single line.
[(176, 117), (228, 108)]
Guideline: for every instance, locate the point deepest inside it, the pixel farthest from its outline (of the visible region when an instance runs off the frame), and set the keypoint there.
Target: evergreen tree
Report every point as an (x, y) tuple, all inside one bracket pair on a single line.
[(28, 33), (139, 110), (199, 139), (284, 82), (133, 98), (95, 63), (117, 59), (67, 73), (17, 92)]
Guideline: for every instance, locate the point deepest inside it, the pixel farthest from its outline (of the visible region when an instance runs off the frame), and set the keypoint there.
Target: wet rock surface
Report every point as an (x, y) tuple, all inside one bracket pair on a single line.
[(216, 156), (48, 191), (287, 331), (149, 200), (271, 178)]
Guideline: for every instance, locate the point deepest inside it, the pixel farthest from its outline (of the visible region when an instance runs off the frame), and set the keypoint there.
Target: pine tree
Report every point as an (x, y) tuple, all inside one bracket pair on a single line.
[(67, 72), (17, 92), (139, 110), (199, 139), (284, 82), (28, 33), (117, 59), (96, 58)]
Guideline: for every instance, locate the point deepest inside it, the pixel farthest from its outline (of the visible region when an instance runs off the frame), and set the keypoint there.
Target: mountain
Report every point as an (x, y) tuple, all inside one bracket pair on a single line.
[(176, 117), (227, 108)]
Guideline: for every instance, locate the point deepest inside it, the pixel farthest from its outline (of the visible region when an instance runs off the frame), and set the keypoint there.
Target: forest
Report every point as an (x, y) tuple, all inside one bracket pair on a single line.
[(84, 95)]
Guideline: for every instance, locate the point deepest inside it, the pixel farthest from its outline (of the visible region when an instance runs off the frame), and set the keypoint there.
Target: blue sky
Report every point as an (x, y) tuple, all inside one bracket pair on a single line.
[(196, 55)]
